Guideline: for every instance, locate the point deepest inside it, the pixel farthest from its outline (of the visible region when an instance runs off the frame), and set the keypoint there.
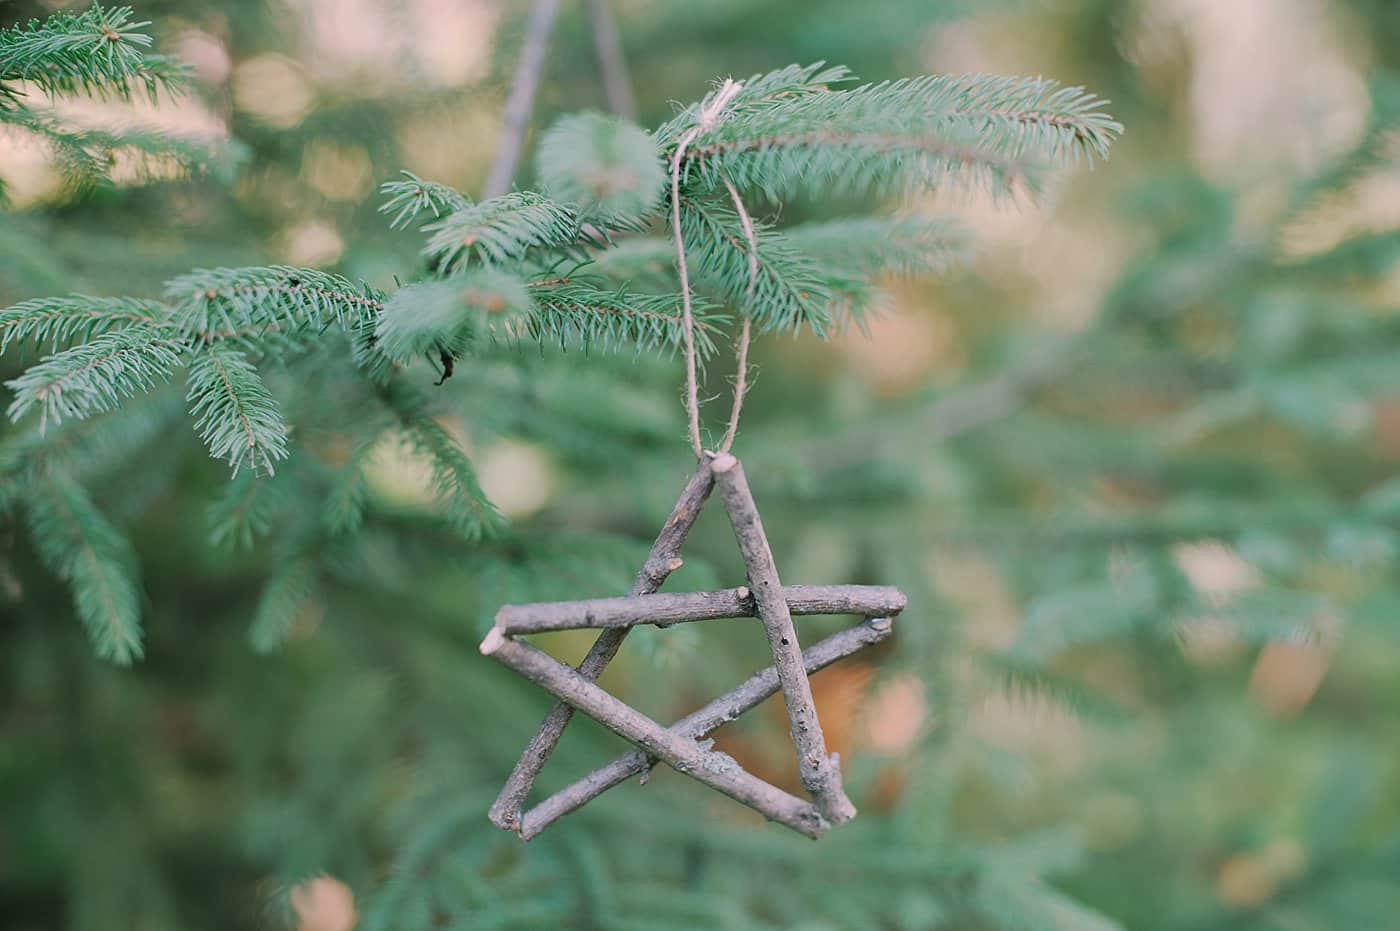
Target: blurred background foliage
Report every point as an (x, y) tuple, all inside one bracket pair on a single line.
[(1133, 463)]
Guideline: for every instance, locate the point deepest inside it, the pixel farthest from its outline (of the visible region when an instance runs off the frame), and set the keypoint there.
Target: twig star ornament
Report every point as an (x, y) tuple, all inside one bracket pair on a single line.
[(683, 745)]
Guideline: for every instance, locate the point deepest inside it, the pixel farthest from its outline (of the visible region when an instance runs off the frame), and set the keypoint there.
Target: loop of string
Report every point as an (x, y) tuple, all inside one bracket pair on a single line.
[(710, 114)]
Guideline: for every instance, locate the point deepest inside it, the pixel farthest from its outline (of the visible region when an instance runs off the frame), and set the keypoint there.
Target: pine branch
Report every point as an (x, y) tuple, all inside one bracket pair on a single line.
[(234, 413), (87, 155), (604, 165), (850, 252), (79, 546), (581, 314), (500, 229), (96, 376), (449, 316), (986, 132), (407, 200), (789, 291), (100, 51), (262, 309), (243, 511), (286, 595), (74, 319), (459, 495)]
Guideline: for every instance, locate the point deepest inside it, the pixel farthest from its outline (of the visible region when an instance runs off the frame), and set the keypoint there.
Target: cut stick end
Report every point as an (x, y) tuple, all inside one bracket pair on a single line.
[(881, 624), (493, 642), (724, 462)]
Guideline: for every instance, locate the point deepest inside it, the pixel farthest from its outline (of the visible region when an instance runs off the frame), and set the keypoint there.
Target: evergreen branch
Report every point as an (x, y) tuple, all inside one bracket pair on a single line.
[(1026, 116), (234, 413), (849, 252), (97, 375), (406, 200), (787, 293), (585, 315), (839, 160), (500, 229), (86, 155), (99, 50), (912, 244), (243, 510), (458, 493), (605, 165), (74, 319), (448, 316), (758, 91), (286, 595), (79, 546), (238, 304), (988, 131)]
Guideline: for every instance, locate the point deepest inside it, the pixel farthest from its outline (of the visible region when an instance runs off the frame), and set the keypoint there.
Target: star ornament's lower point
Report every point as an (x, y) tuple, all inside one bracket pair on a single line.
[(683, 745)]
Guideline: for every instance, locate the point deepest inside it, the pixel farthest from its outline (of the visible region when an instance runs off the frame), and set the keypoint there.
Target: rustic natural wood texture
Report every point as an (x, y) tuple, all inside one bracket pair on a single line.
[(684, 754), (663, 559), (700, 723), (682, 746), (683, 607), (820, 772)]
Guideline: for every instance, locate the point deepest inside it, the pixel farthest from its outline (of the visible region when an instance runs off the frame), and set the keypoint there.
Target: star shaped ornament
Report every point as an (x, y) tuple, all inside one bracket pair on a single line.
[(683, 746)]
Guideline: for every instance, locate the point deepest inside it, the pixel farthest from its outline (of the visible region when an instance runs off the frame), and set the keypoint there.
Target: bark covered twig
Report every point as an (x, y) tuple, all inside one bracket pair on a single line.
[(682, 607), (611, 61), (820, 772), (660, 563), (521, 99), (684, 754), (700, 723)]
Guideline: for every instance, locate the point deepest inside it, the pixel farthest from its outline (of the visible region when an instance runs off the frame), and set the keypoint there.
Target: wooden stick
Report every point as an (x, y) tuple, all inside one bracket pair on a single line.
[(521, 99), (660, 563), (717, 770), (700, 723), (683, 607), (820, 773), (611, 61)]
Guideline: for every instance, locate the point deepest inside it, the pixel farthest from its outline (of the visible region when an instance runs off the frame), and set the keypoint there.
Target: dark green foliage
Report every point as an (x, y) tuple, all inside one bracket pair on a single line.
[(1134, 466)]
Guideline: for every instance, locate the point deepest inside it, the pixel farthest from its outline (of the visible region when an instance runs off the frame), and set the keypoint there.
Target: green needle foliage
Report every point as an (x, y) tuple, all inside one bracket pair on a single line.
[(99, 52), (516, 267)]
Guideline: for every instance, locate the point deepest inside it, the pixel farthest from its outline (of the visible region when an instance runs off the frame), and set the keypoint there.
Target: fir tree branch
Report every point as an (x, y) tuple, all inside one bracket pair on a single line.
[(99, 50), (234, 413), (79, 546), (575, 312), (96, 376), (788, 291), (75, 319), (407, 200), (500, 229), (286, 595), (455, 485)]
